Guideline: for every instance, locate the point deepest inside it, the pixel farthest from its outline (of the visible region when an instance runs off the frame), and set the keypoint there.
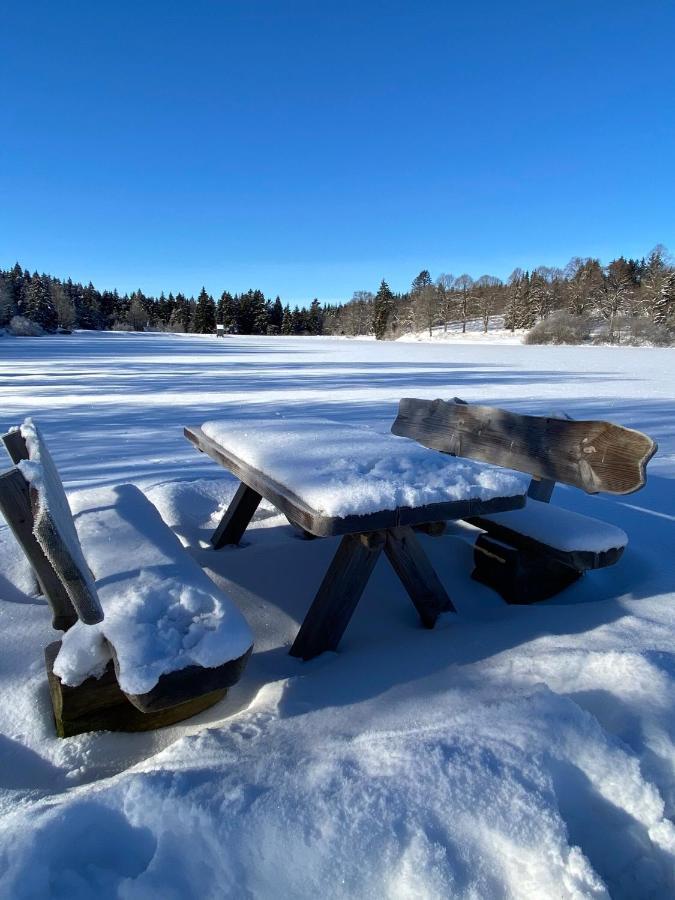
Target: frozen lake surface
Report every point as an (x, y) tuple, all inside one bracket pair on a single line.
[(512, 752)]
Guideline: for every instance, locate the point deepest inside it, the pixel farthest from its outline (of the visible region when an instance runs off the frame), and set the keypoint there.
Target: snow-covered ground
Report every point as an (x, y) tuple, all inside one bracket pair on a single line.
[(511, 752), (474, 333)]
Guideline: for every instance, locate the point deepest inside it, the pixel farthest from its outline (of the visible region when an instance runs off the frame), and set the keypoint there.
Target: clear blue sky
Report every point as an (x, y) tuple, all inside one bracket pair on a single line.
[(312, 148)]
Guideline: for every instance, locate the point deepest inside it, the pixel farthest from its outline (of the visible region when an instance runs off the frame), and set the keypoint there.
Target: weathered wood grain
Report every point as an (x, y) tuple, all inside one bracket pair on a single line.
[(317, 524), (16, 507), (338, 595), (98, 704), (412, 565), (591, 455), (236, 517)]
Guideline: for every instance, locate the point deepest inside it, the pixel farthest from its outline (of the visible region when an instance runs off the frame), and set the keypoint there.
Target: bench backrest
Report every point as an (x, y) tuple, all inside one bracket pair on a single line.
[(52, 524), (592, 455)]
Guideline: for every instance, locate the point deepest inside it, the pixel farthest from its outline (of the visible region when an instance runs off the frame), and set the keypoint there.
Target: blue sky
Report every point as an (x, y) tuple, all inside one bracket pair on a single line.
[(311, 149)]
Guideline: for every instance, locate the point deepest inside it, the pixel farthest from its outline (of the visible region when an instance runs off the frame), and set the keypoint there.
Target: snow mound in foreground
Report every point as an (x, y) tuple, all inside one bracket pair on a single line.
[(468, 806)]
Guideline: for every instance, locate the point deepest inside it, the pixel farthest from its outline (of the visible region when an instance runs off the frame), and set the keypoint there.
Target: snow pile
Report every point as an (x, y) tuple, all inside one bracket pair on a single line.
[(341, 471), (560, 528), (162, 613)]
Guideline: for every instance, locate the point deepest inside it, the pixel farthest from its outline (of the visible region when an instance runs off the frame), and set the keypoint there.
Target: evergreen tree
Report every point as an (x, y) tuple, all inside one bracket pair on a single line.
[(7, 305), (180, 315), (277, 314), (226, 312), (38, 304), (422, 281), (314, 318), (205, 314), (383, 308), (287, 321)]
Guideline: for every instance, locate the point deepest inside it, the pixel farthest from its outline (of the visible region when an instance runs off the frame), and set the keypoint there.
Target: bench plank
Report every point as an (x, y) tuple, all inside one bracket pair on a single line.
[(591, 455), (16, 507)]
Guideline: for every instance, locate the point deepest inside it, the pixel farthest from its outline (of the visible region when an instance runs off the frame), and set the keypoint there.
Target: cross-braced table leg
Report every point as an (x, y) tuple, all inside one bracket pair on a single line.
[(236, 517), (340, 591), (346, 579), (413, 567)]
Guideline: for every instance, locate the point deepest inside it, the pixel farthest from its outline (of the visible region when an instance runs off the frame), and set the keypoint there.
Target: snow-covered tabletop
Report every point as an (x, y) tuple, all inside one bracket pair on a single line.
[(340, 470)]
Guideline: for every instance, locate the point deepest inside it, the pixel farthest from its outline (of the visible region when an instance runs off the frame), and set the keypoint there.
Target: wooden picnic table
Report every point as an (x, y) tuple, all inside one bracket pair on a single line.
[(365, 533)]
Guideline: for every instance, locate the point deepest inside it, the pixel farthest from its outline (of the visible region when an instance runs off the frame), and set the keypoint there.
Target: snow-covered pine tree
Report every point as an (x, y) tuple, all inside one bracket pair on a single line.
[(7, 305), (205, 314), (38, 303), (383, 306)]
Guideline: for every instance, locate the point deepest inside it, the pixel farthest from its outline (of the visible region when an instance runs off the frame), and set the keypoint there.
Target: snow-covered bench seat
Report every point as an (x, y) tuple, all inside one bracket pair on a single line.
[(149, 639), (372, 489), (532, 553)]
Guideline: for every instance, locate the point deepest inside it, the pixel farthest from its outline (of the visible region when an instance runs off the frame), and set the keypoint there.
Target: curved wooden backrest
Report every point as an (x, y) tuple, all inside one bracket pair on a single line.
[(592, 455), (53, 528)]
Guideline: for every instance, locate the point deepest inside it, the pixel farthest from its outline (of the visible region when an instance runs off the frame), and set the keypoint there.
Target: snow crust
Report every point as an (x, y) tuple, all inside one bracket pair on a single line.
[(162, 613), (561, 528), (512, 752), (340, 470)]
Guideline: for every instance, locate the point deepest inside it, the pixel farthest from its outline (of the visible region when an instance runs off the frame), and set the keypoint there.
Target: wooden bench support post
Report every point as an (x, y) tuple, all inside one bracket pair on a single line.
[(339, 594), (414, 568), (16, 508), (236, 517)]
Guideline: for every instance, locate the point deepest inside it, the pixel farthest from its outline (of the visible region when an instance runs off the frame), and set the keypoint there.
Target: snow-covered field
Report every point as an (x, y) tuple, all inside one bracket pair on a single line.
[(511, 752)]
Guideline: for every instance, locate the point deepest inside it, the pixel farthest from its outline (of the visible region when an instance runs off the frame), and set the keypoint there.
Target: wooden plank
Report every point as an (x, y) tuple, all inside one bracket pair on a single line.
[(591, 455), (581, 560), (98, 704), (187, 684), (16, 507), (519, 576), (16, 446), (236, 517), (338, 595), (414, 568), (312, 521)]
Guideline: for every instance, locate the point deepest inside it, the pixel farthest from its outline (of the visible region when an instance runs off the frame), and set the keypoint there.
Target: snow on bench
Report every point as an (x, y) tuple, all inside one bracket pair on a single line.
[(162, 613), (340, 470), (560, 529), (171, 634)]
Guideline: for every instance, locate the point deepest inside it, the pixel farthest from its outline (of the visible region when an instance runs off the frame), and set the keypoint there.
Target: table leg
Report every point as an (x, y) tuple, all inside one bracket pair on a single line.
[(414, 568), (236, 517), (340, 591)]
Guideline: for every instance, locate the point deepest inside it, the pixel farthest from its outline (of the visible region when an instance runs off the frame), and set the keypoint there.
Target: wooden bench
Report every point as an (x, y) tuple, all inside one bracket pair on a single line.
[(148, 638), (294, 465), (531, 554)]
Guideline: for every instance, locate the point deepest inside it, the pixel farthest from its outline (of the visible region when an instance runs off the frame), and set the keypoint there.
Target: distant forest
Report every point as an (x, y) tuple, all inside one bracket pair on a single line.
[(627, 300)]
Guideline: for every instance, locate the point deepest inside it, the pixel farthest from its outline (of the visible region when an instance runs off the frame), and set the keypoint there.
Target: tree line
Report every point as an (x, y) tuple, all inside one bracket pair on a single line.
[(626, 299), (53, 304)]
